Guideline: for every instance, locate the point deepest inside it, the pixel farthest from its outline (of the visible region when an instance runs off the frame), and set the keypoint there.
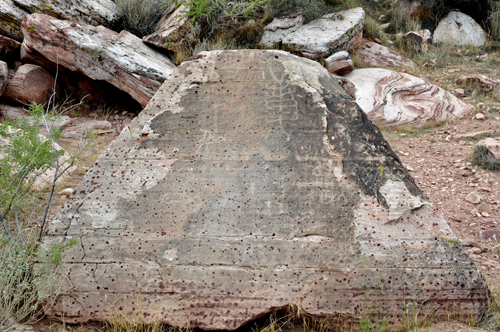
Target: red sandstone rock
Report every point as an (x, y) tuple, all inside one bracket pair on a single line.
[(29, 84), (381, 56), (9, 49), (4, 76), (339, 63), (98, 53), (12, 113)]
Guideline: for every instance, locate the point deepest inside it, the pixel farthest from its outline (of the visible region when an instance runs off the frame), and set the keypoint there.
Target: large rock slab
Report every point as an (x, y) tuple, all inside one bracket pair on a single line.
[(379, 55), (29, 84), (98, 53), (251, 181), (459, 29), (281, 26), (94, 12), (333, 32), (392, 98)]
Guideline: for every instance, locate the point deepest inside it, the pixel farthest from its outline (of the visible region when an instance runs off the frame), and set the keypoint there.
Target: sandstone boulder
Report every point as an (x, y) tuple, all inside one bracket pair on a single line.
[(4, 76), (333, 32), (459, 29), (9, 49), (493, 144), (392, 99), (408, 8), (485, 82), (94, 12), (378, 55), (339, 63), (251, 181), (12, 112), (173, 31), (419, 38), (98, 53), (29, 84), (280, 27)]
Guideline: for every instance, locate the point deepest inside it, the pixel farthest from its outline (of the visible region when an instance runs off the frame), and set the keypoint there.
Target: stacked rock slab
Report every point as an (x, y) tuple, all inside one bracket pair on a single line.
[(251, 181)]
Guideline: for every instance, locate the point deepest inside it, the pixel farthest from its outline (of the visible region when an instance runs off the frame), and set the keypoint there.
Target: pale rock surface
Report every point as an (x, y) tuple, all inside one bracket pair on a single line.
[(493, 144), (473, 197), (251, 181), (79, 127), (173, 30), (29, 84), (339, 63), (9, 49), (280, 27), (392, 99), (94, 12), (98, 53), (333, 32), (12, 112), (4, 76), (459, 29), (379, 55), (490, 234)]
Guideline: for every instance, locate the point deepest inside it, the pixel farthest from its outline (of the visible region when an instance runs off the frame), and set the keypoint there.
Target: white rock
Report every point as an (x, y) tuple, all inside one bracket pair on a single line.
[(459, 29), (280, 27)]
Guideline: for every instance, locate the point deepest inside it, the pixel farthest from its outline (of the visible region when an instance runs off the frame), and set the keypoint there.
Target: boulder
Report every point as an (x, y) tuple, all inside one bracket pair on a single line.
[(459, 29), (173, 31), (339, 63), (419, 38), (493, 144), (280, 27), (9, 49), (98, 53), (94, 12), (4, 76), (249, 182), (333, 32), (29, 84), (393, 99), (379, 55), (12, 112), (408, 9)]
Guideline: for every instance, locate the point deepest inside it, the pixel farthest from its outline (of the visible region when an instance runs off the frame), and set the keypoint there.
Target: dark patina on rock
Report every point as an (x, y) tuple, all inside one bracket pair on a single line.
[(249, 182)]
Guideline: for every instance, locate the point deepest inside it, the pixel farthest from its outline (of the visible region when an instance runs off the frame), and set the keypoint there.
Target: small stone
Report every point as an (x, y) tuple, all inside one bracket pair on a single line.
[(485, 214), (378, 41), (476, 251), (484, 207), (480, 116), (67, 191)]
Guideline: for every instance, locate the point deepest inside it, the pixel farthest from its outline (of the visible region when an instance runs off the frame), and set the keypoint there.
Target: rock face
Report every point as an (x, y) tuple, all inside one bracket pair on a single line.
[(339, 63), (12, 113), (333, 32), (4, 76), (173, 30), (485, 82), (459, 29), (94, 12), (220, 204), (98, 53), (9, 49), (280, 27), (394, 99), (29, 84), (379, 55)]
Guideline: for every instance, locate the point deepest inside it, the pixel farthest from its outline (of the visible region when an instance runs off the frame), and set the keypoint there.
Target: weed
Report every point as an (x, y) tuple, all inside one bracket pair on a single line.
[(483, 158), (141, 16), (371, 29)]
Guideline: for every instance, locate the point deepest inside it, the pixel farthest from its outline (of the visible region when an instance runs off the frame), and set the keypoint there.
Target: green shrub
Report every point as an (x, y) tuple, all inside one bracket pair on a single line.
[(141, 16)]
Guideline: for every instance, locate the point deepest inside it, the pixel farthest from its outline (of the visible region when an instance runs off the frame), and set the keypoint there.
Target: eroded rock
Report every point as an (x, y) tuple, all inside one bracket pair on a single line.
[(459, 29), (493, 144), (98, 53), (9, 49), (485, 82), (94, 12), (333, 32), (339, 63), (419, 38), (12, 112), (251, 181), (280, 27), (394, 99), (379, 55), (29, 84)]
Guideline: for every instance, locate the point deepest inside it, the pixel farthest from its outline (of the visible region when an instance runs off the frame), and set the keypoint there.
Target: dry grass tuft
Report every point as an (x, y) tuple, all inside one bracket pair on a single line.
[(483, 158), (141, 16)]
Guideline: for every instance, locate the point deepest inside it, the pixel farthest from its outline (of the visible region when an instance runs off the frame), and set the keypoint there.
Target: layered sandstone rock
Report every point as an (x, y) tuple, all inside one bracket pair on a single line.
[(333, 32), (392, 99), (98, 53), (339, 63), (94, 12), (379, 55), (9, 49), (280, 27), (249, 182)]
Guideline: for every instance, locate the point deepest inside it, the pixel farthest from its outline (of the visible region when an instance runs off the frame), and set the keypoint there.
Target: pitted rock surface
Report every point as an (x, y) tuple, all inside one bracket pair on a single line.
[(333, 32), (251, 181), (393, 99), (100, 54)]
